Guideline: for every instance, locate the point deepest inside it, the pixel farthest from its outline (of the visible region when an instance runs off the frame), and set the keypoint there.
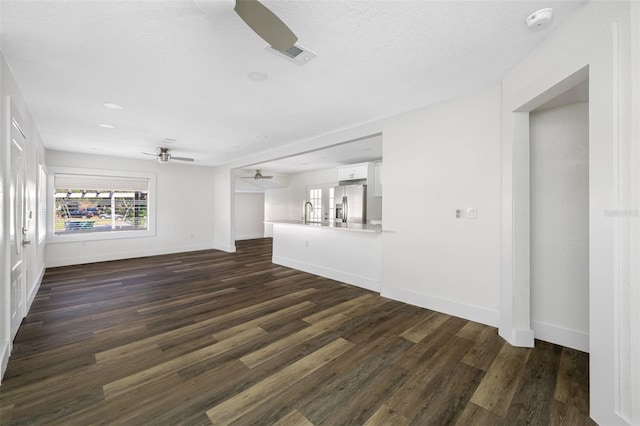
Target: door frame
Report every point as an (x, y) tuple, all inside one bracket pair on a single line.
[(15, 121), (599, 63)]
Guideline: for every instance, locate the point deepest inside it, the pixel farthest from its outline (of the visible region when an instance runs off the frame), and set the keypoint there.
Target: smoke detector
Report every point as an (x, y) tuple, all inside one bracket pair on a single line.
[(539, 18)]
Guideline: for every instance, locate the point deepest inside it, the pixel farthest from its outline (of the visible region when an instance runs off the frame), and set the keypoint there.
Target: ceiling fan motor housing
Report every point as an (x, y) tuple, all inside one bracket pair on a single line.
[(164, 156)]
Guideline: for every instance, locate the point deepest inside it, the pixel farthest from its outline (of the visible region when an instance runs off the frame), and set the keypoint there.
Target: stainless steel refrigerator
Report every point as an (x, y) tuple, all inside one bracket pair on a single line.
[(351, 203)]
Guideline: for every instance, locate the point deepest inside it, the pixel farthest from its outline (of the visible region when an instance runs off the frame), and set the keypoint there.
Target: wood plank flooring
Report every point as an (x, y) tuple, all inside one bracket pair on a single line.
[(216, 338)]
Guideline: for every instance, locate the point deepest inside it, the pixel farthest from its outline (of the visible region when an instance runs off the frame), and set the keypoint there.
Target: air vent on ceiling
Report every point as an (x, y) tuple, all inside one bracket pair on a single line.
[(293, 51), (296, 53)]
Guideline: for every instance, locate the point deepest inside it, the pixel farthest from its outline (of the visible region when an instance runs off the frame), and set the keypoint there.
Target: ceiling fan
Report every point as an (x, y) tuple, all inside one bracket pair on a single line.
[(260, 19), (164, 156), (257, 176)]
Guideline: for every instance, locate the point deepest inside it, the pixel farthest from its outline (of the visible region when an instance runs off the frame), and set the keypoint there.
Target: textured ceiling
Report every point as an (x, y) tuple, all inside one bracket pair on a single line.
[(183, 74)]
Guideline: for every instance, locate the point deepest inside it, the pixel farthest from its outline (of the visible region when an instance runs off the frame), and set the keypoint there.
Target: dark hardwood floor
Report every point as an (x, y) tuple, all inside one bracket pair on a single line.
[(216, 338)]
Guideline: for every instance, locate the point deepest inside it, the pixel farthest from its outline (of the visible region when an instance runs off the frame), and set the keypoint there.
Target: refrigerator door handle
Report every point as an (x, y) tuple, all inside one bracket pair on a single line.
[(345, 208)]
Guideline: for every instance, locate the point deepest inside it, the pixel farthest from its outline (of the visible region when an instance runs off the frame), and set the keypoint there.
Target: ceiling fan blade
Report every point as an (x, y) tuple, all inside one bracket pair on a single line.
[(266, 24), (267, 177), (147, 153), (182, 158)]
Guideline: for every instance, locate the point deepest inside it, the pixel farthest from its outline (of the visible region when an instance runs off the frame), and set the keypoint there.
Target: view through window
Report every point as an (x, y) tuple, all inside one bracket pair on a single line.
[(85, 203)]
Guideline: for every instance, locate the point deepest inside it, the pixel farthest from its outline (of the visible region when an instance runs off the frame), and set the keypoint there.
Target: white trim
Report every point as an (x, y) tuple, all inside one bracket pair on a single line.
[(5, 353), (517, 337), (126, 255), (225, 248), (345, 277), (249, 237), (461, 310), (561, 336), (41, 202), (34, 289)]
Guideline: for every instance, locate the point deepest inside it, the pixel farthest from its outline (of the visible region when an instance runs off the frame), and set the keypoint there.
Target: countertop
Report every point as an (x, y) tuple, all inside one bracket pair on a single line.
[(338, 226)]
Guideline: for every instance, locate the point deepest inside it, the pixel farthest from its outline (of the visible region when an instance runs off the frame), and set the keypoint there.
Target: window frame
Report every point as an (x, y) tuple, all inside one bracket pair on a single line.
[(42, 220), (52, 237)]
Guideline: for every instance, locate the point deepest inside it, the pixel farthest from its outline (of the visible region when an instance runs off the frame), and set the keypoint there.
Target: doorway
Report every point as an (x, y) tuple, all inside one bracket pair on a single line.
[(559, 218), (249, 215)]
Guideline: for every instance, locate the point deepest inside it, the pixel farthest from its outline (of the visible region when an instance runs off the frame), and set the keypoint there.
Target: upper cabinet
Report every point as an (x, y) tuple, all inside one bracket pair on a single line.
[(371, 172), (354, 171)]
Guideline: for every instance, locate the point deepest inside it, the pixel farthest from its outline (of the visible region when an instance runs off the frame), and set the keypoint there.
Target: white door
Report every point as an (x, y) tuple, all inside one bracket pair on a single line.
[(17, 228)]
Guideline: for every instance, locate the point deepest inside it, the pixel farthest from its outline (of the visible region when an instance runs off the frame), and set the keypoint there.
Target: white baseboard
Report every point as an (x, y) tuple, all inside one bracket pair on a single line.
[(125, 255), (249, 237), (468, 312), (561, 336), (522, 337), (345, 277), (5, 351), (34, 289), (225, 248)]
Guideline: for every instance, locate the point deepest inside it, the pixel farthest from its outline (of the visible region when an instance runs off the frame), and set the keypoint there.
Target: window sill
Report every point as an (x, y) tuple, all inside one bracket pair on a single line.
[(78, 236)]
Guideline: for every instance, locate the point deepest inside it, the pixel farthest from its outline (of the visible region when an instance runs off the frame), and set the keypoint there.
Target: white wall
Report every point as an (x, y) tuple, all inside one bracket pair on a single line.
[(249, 212), (224, 219), (559, 147), (288, 203), (438, 159), (34, 155), (185, 211)]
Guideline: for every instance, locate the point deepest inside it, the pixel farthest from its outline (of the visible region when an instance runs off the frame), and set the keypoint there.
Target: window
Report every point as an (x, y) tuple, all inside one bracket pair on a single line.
[(332, 204), (101, 205), (315, 197), (322, 199)]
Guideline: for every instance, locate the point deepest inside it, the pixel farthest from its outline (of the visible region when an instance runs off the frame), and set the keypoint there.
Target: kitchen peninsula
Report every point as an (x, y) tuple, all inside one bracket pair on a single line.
[(346, 252)]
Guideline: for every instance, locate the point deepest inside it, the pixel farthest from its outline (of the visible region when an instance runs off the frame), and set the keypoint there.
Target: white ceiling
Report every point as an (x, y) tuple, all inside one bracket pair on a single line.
[(183, 74)]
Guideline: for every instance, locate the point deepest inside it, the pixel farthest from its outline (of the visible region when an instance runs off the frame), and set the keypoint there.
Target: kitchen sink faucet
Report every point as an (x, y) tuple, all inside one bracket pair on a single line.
[(306, 215)]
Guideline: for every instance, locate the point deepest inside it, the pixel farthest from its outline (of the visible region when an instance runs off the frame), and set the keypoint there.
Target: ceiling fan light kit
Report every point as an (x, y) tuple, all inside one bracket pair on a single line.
[(164, 156)]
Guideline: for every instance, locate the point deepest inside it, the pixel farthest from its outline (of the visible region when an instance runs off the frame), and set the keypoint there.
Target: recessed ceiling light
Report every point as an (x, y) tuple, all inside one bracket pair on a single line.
[(258, 76), (107, 126), (112, 105)]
